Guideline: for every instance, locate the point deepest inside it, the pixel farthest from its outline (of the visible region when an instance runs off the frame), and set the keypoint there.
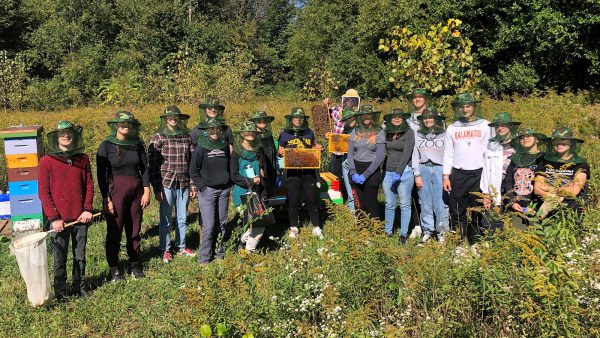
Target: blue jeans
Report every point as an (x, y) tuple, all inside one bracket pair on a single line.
[(431, 199), (345, 170), (401, 190), (178, 197)]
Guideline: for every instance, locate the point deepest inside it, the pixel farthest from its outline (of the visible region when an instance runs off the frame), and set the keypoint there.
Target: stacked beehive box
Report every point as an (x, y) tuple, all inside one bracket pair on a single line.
[(23, 147), (330, 188)]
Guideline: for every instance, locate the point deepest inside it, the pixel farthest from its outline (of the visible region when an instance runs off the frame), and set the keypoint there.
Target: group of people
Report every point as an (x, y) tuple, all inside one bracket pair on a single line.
[(469, 166), (411, 155), (211, 161)]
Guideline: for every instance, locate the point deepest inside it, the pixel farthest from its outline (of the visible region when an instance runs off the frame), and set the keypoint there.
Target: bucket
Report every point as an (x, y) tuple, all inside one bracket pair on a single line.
[(32, 257)]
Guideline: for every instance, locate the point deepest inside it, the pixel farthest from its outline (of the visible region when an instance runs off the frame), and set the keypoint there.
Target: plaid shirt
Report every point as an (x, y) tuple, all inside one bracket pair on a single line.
[(336, 115), (169, 161)]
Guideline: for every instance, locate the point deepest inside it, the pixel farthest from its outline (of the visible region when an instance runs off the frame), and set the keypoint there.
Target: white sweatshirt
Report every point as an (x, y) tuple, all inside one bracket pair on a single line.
[(466, 144), (493, 172)]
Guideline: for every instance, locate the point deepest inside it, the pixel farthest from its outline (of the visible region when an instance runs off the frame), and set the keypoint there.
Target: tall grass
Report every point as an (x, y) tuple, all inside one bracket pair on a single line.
[(355, 282)]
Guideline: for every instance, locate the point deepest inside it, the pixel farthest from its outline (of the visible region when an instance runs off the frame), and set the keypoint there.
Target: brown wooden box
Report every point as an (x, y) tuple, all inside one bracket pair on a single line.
[(301, 158), (22, 174), (338, 143), (22, 131)]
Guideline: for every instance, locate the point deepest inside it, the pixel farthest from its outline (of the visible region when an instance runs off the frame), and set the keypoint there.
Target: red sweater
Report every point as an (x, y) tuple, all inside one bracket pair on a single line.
[(65, 186)]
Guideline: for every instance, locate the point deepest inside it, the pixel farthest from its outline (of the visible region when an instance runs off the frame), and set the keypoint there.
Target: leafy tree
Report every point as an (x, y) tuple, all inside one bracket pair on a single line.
[(438, 60)]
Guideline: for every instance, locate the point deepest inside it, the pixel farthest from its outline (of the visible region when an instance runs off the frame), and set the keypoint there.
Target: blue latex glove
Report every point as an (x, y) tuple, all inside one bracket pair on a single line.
[(278, 181), (361, 179), (356, 178), (396, 178)]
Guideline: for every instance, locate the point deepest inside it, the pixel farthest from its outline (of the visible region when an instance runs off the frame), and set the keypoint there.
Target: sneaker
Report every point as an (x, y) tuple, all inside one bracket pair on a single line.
[(116, 276), (318, 232), (425, 238), (441, 239), (136, 271), (167, 257), (403, 239), (294, 231), (186, 252)]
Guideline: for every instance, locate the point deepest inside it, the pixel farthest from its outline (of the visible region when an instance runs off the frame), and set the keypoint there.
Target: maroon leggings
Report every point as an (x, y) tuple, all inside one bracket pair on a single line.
[(126, 196)]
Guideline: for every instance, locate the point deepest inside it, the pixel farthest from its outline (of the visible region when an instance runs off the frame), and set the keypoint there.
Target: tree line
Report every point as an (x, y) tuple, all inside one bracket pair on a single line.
[(61, 53)]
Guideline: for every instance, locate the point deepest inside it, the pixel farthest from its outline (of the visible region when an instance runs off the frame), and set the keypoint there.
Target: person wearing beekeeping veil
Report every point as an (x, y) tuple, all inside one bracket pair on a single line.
[(169, 155), (66, 191), (298, 135), (122, 167)]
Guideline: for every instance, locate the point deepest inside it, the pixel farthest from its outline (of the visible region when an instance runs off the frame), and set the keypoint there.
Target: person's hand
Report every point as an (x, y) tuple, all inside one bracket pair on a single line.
[(85, 217), (318, 146), (278, 181), (145, 198), (158, 195), (355, 178), (361, 179), (326, 102), (396, 177), (193, 193), (58, 225), (447, 185), (109, 207), (327, 134), (280, 151), (516, 207), (487, 203), (256, 180), (418, 182)]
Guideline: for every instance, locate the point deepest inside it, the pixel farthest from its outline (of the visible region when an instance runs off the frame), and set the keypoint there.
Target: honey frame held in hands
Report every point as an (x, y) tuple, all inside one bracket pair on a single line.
[(338, 143), (301, 158)]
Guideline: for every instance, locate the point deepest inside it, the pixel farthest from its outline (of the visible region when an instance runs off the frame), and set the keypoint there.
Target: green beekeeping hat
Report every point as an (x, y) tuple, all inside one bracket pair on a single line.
[(389, 127), (503, 119), (75, 135), (212, 102), (419, 91), (257, 115)]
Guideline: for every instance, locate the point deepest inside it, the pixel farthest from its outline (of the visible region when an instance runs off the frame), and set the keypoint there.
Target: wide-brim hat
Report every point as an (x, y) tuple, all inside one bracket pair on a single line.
[(346, 114), (246, 126), (503, 119), (297, 112), (212, 102), (565, 134), (430, 112), (367, 109), (174, 111), (123, 116), (212, 122), (395, 112), (257, 115), (527, 132), (464, 98), (351, 93), (418, 91)]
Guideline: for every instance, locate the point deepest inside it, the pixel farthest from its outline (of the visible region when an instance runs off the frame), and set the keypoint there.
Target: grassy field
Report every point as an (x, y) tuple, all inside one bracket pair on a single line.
[(355, 282)]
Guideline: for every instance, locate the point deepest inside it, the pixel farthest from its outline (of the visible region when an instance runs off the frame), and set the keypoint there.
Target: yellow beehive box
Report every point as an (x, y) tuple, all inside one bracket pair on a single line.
[(301, 158)]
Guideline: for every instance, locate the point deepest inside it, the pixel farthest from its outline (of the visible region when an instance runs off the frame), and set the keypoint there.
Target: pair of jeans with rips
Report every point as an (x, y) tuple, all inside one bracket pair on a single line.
[(402, 191)]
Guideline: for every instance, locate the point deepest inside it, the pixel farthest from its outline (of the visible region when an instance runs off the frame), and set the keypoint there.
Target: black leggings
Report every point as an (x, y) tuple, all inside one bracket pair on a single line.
[(304, 181), (366, 194), (464, 183)]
